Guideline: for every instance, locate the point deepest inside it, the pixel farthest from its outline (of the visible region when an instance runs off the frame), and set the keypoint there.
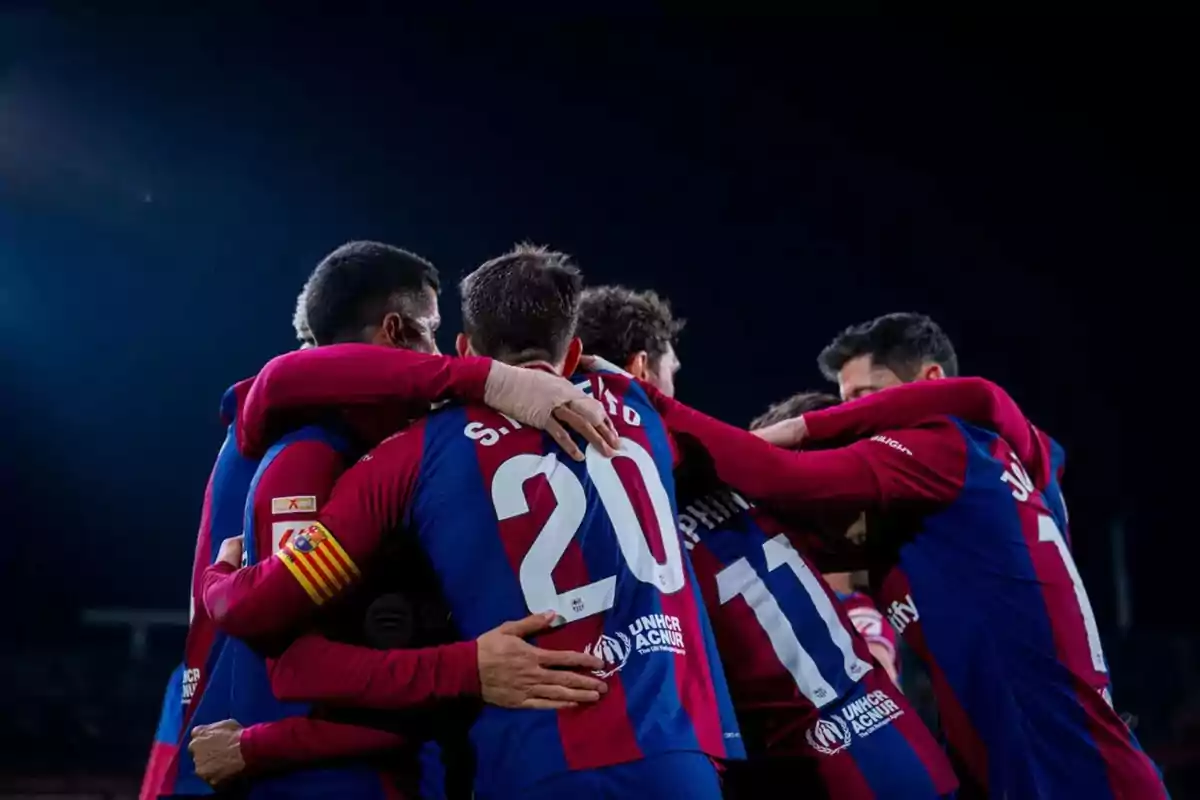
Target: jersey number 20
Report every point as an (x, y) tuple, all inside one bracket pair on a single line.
[(551, 543)]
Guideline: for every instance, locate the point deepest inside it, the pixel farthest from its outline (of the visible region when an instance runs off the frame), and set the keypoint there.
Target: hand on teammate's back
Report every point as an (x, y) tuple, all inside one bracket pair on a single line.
[(217, 751), (788, 433), (231, 551), (515, 674), (542, 401)]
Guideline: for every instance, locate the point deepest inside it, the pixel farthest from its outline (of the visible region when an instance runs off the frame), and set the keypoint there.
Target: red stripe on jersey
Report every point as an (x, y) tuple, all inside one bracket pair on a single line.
[(914, 731), (693, 672), (1130, 771), (592, 736)]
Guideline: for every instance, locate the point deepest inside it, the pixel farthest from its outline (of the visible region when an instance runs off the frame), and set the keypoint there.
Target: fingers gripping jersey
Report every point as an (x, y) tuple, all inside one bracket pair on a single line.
[(870, 623), (512, 525), (803, 682)]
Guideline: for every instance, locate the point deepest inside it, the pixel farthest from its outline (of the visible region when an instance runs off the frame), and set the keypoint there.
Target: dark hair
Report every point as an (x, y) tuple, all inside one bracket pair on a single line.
[(522, 306), (902, 342), (616, 322), (355, 286), (795, 406)]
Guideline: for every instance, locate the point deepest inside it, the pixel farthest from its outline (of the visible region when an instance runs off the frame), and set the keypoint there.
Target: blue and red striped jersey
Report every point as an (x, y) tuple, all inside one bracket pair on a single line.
[(513, 526), (974, 572), (986, 592), (804, 683)]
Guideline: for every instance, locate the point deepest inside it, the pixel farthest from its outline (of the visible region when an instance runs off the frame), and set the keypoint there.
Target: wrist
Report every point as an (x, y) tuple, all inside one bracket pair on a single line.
[(249, 745)]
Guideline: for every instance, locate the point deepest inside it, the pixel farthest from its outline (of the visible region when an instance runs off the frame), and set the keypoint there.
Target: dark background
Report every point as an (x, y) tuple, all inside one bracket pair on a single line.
[(167, 183)]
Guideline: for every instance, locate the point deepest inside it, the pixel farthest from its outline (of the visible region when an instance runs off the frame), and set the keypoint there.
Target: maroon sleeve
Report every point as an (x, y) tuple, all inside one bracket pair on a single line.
[(925, 464), (320, 562), (293, 487), (314, 669), (973, 400), (350, 374), (295, 741)]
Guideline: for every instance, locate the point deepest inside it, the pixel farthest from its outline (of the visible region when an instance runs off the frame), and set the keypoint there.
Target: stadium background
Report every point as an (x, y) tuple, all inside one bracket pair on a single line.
[(167, 182)]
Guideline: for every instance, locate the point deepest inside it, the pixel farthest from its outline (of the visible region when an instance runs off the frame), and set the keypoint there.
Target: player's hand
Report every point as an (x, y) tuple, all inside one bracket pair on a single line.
[(231, 551), (217, 751), (596, 362), (546, 402), (789, 433), (515, 674)]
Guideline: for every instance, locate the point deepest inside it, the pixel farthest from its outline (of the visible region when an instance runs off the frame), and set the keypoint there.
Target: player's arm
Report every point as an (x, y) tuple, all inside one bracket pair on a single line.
[(350, 374), (357, 374), (320, 563), (291, 491), (924, 464), (315, 670), (225, 750), (974, 400)]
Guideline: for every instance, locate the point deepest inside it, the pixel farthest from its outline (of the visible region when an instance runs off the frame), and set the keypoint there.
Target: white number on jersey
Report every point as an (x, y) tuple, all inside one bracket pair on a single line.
[(740, 579), (1048, 532), (551, 543)]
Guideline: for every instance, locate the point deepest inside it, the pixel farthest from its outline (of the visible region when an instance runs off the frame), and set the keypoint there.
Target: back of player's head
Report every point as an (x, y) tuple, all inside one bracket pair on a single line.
[(356, 286), (902, 342), (617, 323), (522, 306), (794, 406)]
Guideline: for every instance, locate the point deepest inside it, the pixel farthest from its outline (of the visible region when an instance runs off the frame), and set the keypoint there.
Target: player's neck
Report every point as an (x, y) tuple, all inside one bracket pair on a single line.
[(544, 366)]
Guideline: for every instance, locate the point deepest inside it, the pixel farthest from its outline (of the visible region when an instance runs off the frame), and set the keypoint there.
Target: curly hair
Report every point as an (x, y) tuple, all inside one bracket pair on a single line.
[(616, 323)]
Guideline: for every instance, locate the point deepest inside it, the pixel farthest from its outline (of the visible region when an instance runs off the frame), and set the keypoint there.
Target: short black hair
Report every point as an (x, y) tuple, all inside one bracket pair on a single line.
[(902, 342), (355, 286), (795, 406), (616, 322), (522, 306)]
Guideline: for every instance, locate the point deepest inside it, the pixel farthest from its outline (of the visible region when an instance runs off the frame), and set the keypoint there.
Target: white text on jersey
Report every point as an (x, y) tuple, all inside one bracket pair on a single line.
[(709, 511), (902, 612)]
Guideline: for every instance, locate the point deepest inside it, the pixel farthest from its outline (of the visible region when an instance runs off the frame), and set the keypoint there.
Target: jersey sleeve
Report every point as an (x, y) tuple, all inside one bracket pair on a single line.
[(925, 464), (285, 502), (293, 487), (296, 741), (320, 562), (341, 375), (974, 400), (316, 670)]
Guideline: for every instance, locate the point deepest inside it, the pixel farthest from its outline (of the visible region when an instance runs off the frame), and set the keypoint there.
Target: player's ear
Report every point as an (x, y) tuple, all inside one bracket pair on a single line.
[(571, 362), (932, 372), (462, 345), (637, 365), (391, 331)]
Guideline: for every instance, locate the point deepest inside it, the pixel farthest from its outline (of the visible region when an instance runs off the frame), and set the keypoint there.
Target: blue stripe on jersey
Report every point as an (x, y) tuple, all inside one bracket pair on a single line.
[(171, 718), (480, 586), (660, 448), (984, 618), (888, 762)]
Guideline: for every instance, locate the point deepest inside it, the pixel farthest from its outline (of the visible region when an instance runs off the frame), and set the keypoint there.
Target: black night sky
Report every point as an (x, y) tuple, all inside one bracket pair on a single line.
[(166, 185)]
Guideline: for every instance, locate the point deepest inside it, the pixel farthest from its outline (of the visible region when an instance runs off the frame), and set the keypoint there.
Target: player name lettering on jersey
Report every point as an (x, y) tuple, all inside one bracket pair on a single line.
[(654, 633), (1016, 477), (858, 719), (903, 612), (709, 511), (892, 443)]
